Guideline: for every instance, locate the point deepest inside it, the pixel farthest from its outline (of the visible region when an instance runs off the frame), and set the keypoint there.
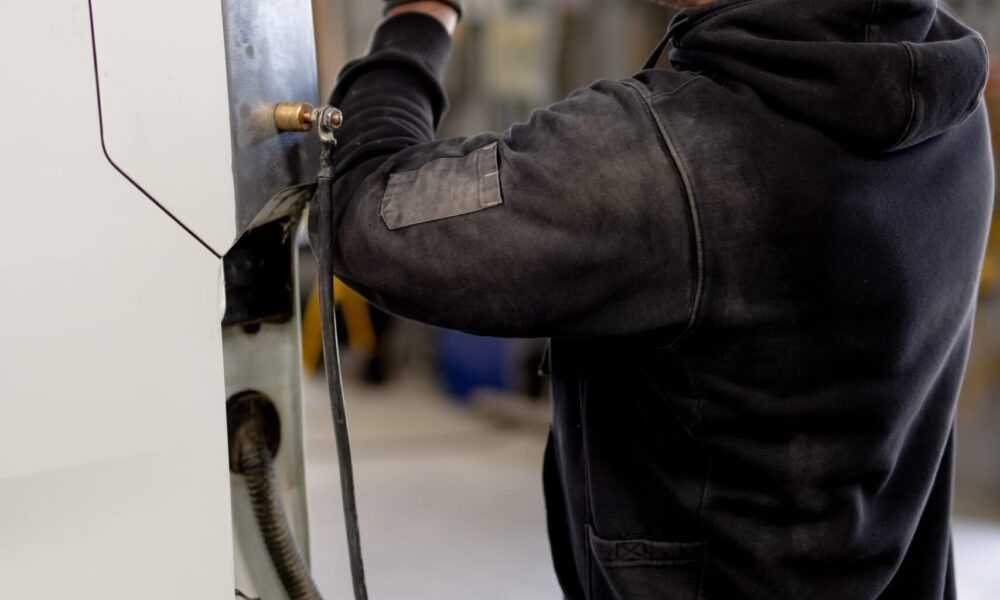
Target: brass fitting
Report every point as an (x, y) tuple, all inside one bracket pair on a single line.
[(302, 116), (294, 116)]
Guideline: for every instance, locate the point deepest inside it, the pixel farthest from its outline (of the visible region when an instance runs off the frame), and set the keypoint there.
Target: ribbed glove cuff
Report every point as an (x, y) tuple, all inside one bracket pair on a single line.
[(413, 41)]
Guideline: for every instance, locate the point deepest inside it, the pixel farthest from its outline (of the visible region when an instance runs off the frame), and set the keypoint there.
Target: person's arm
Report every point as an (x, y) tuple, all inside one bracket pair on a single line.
[(573, 224)]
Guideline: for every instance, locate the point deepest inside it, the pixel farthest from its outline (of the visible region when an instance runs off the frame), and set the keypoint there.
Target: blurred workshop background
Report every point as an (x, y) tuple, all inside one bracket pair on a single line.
[(455, 424)]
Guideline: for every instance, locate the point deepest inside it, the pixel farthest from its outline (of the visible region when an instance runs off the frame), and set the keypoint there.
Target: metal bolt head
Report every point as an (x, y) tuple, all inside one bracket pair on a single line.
[(329, 119)]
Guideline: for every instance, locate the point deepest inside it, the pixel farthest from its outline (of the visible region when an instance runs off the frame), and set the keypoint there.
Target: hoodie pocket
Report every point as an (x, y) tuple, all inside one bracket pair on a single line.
[(640, 569), (443, 188)]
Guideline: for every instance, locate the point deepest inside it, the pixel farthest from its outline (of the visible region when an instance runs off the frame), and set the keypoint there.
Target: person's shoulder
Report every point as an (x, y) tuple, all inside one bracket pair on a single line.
[(640, 88)]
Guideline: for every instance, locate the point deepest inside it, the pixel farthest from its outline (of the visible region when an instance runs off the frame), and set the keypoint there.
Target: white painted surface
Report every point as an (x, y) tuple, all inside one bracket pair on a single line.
[(113, 461), (164, 93)]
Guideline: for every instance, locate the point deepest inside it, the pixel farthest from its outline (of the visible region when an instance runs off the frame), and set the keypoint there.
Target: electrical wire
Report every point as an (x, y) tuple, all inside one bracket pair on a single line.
[(323, 248)]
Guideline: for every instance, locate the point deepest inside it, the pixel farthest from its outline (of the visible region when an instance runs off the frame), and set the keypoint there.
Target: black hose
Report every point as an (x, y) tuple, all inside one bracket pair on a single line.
[(256, 463), (323, 249)]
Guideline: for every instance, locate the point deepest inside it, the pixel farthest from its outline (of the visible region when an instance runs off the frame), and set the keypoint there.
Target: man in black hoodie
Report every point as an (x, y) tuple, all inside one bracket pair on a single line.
[(757, 271)]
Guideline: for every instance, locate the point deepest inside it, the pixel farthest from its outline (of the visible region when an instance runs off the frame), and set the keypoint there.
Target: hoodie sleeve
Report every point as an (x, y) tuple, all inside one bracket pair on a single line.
[(572, 224)]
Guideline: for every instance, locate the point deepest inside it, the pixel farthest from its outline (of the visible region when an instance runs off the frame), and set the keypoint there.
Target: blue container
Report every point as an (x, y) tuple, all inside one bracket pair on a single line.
[(469, 362)]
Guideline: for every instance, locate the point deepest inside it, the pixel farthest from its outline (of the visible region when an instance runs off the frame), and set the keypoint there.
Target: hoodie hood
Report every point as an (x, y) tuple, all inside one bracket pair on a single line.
[(877, 74)]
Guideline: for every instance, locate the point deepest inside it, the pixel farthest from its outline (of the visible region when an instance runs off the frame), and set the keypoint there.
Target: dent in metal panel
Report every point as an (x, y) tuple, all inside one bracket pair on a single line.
[(270, 58)]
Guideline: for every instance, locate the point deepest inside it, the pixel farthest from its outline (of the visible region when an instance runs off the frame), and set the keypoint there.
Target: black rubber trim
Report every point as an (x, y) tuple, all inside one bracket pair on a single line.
[(104, 148)]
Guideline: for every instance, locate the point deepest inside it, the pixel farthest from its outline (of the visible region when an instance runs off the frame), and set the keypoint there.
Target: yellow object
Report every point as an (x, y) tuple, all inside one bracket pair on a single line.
[(312, 331), (357, 320), (991, 265)]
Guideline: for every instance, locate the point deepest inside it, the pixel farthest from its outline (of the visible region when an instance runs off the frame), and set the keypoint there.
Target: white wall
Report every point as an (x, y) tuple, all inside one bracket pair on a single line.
[(112, 447)]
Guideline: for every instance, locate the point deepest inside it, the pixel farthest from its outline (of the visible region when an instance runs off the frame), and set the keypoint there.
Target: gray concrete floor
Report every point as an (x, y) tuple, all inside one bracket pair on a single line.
[(451, 503)]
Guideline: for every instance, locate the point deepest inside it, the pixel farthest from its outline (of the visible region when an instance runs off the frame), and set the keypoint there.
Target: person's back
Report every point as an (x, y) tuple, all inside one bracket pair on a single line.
[(759, 281), (812, 394)]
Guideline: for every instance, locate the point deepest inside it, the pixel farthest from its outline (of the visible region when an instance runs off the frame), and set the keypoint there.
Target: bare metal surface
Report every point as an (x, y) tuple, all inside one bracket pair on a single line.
[(271, 58)]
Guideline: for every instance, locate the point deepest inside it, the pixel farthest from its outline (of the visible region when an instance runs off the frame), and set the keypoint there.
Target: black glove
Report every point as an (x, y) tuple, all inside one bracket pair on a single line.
[(391, 4)]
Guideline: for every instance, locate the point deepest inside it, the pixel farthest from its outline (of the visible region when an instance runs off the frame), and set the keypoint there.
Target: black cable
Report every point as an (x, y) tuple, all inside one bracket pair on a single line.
[(256, 463), (323, 248)]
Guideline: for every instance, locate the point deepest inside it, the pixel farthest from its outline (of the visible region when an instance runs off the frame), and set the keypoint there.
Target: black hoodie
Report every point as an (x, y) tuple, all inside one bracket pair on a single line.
[(758, 272)]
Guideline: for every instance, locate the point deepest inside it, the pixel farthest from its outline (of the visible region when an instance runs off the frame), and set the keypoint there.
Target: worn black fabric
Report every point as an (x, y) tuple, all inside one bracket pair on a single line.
[(758, 273)]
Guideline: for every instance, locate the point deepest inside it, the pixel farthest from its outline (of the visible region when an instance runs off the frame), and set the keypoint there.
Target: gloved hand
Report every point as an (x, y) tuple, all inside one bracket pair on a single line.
[(391, 4)]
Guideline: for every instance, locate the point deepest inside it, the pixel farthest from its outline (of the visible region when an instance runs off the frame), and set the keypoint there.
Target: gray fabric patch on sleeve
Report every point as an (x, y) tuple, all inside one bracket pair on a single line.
[(442, 188)]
